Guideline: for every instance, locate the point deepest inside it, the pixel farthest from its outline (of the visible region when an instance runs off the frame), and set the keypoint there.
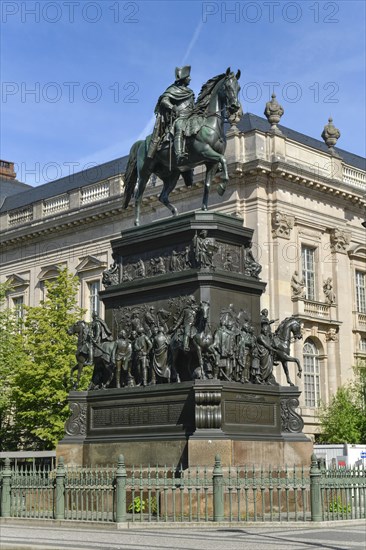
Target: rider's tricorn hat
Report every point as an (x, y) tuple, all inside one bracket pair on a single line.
[(182, 72)]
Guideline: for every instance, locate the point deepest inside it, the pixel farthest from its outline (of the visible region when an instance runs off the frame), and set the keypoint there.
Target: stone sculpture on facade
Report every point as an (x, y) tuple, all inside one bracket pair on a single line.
[(330, 135), (328, 291), (273, 113), (282, 224), (297, 286), (339, 240)]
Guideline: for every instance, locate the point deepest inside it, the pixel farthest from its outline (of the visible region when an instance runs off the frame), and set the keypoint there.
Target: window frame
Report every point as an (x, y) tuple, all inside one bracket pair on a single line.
[(360, 291), (309, 275), (311, 370)]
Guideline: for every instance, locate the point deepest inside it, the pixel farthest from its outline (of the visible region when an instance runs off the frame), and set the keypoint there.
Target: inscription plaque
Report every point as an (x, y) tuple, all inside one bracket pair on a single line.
[(263, 414), (137, 415)]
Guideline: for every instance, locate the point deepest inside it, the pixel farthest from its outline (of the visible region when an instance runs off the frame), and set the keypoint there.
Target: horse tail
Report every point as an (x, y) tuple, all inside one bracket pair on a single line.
[(131, 174)]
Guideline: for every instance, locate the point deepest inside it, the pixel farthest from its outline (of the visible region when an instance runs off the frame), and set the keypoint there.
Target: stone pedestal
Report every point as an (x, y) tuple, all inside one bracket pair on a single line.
[(156, 264), (186, 423)]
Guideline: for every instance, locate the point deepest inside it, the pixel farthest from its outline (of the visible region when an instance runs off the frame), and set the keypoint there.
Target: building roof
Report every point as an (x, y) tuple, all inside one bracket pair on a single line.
[(63, 185), (10, 187), (114, 167)]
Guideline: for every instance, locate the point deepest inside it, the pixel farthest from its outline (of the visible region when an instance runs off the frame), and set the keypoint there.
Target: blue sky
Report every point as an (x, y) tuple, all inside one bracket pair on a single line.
[(80, 79)]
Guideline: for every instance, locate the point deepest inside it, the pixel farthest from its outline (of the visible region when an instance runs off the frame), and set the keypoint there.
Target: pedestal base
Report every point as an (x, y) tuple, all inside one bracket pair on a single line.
[(186, 424)]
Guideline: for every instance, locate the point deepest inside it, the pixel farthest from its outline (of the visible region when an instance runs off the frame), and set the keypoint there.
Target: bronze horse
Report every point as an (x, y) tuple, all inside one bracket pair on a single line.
[(218, 101), (281, 343)]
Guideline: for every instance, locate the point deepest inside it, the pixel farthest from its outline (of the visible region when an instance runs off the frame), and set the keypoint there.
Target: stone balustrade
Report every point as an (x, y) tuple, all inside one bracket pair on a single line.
[(96, 192), (56, 204), (19, 217)]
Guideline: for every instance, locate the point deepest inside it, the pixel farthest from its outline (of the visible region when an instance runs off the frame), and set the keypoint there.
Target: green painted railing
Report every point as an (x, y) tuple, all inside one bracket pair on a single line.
[(163, 494)]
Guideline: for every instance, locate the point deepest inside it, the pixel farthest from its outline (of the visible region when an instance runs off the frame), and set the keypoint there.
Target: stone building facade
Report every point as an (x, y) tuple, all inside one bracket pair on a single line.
[(305, 201)]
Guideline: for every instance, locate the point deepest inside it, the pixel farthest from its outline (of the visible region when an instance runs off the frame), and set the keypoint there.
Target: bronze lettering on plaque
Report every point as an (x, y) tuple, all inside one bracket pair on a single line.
[(262, 414), (137, 415)]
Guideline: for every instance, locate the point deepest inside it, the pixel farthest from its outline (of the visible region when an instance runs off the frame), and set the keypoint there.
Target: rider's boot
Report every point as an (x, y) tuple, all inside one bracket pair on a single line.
[(144, 376), (181, 156), (186, 342)]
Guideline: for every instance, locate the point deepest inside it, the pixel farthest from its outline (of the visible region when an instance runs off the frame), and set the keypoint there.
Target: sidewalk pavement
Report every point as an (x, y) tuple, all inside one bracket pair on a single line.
[(51, 535)]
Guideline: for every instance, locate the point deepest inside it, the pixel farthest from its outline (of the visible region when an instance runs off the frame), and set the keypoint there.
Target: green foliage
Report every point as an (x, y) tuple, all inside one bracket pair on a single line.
[(41, 380), (11, 355), (140, 505), (344, 419), (337, 507)]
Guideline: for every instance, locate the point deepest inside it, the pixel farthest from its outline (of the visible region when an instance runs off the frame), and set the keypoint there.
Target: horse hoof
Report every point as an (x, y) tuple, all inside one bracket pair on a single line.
[(137, 223), (204, 207)]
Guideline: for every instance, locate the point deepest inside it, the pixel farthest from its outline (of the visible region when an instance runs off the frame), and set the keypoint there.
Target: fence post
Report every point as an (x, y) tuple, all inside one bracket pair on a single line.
[(121, 478), (218, 490), (60, 489), (315, 491), (6, 490)]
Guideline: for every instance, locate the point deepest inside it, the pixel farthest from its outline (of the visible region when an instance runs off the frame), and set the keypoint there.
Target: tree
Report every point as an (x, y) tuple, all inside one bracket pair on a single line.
[(11, 356), (41, 383), (344, 419)]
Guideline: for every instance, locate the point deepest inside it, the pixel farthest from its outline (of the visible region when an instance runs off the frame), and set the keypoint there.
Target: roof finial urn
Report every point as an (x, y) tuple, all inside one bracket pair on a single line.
[(273, 112), (331, 134)]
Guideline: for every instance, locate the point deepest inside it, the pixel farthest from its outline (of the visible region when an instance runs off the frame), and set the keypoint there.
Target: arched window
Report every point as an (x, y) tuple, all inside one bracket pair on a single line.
[(311, 374)]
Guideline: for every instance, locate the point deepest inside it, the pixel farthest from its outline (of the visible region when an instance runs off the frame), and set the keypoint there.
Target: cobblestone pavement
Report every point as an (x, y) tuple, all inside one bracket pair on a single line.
[(322, 537)]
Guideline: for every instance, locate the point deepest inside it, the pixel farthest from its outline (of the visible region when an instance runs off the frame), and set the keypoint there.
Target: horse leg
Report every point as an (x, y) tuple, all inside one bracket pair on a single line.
[(188, 177), (299, 369), (211, 170), (137, 211), (72, 370), (208, 153), (110, 369), (287, 374), (198, 349), (168, 186)]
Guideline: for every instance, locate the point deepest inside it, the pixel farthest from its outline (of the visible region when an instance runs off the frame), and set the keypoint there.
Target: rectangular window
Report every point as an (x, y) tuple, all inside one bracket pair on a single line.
[(308, 271), (361, 291), (18, 303), (94, 303), (363, 344), (311, 383), (311, 375)]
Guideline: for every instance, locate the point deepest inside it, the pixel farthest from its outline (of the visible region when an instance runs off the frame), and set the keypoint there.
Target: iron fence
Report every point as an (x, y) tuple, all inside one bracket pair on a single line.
[(163, 494)]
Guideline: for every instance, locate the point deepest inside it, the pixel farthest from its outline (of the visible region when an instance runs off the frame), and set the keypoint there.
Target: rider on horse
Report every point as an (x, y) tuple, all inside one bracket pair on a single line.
[(99, 333), (172, 109), (187, 319)]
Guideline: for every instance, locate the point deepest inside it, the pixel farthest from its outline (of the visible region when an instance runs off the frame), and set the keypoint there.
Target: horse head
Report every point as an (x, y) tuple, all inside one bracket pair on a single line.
[(230, 94), (289, 326), (73, 329), (296, 328), (76, 328), (202, 316)]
